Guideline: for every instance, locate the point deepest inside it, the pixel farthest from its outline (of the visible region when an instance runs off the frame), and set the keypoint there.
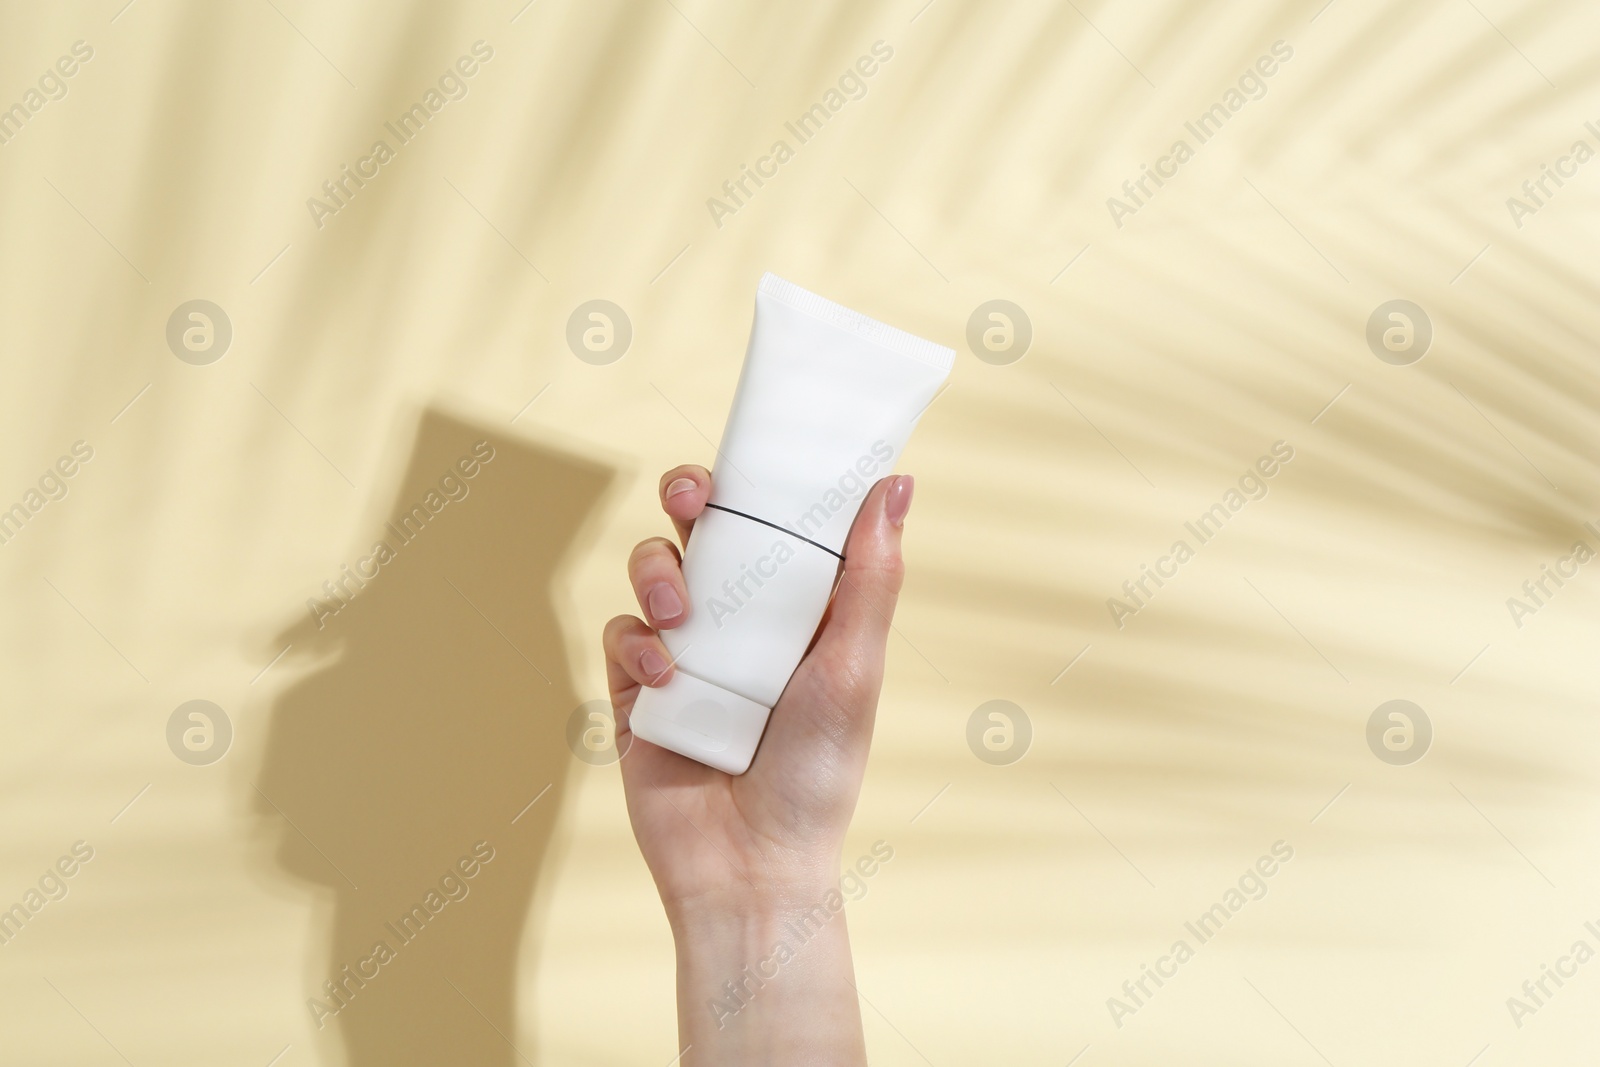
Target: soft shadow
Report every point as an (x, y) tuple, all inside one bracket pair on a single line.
[(441, 714)]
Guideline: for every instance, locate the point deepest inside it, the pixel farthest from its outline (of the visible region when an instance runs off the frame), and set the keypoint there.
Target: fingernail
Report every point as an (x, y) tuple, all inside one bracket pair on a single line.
[(653, 665), (664, 603), (680, 485), (897, 501)]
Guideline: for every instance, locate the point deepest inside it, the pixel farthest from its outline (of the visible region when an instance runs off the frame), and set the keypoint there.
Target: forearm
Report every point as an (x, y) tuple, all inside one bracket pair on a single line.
[(767, 981)]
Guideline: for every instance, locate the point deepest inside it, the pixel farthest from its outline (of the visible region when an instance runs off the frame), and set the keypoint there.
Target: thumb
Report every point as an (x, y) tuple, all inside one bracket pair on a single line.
[(869, 586)]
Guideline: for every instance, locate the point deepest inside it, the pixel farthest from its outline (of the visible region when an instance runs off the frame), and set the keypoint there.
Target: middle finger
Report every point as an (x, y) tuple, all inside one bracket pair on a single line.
[(656, 571)]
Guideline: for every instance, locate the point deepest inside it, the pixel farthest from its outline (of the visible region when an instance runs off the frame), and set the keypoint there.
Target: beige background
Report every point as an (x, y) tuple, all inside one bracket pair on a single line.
[(1167, 355)]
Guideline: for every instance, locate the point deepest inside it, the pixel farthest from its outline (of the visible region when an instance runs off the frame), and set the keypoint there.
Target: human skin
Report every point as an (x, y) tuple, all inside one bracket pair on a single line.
[(737, 858)]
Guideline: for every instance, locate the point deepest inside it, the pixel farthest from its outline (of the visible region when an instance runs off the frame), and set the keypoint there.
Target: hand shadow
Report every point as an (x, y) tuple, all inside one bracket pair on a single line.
[(400, 775)]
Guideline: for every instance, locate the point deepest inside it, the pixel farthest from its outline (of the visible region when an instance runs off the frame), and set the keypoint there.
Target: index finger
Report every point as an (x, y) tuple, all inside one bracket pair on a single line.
[(684, 492)]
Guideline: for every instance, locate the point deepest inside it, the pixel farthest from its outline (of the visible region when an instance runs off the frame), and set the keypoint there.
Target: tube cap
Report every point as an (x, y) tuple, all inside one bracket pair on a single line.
[(702, 721)]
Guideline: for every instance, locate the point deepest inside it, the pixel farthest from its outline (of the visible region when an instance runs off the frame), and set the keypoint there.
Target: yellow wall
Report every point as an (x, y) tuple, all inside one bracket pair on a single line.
[(373, 346)]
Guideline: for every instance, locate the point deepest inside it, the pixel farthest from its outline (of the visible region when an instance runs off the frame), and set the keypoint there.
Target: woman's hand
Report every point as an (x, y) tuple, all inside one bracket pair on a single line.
[(739, 861)]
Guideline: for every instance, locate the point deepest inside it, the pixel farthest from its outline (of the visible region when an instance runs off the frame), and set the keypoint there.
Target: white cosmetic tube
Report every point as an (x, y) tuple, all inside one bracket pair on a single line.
[(825, 404)]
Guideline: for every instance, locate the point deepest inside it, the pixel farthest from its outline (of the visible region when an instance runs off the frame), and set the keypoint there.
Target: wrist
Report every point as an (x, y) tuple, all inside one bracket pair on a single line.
[(745, 912), (766, 975)]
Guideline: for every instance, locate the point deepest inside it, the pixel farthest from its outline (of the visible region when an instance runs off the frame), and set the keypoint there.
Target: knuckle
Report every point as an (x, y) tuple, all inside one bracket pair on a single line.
[(649, 549), (887, 573), (618, 628)]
